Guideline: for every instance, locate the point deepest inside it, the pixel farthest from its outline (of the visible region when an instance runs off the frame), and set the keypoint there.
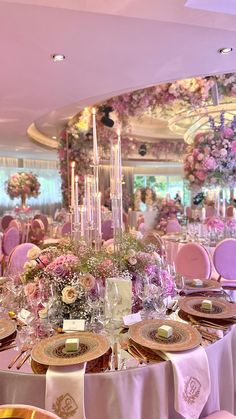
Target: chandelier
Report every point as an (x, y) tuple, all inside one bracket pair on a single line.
[(189, 122)]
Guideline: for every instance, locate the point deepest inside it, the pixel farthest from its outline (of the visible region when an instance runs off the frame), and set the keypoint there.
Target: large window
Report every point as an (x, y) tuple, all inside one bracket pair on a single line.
[(163, 184)]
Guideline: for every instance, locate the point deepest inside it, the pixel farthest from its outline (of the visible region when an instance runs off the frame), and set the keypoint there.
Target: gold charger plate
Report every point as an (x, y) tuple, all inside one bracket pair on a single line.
[(7, 328), (207, 285), (221, 309), (50, 351), (184, 336)]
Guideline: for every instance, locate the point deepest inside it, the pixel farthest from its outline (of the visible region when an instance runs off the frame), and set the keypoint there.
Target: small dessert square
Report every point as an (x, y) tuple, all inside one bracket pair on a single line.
[(207, 304), (71, 345), (165, 331), (197, 282)]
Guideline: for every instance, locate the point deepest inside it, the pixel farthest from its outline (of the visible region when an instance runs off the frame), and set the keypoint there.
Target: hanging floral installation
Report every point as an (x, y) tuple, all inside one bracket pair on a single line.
[(211, 160), (160, 101)]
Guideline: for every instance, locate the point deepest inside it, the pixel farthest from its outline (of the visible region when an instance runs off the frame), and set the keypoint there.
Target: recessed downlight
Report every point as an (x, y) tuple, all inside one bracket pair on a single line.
[(54, 137), (225, 50), (58, 57)]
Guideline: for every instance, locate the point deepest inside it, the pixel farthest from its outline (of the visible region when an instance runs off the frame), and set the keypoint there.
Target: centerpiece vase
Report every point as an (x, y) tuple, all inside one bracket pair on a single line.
[(23, 200)]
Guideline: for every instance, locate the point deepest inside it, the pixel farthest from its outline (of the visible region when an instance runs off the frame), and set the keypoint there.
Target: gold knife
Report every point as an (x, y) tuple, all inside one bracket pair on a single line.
[(23, 360)]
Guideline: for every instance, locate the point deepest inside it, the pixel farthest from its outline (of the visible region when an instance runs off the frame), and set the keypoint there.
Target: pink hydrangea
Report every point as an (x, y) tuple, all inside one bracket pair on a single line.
[(209, 163)]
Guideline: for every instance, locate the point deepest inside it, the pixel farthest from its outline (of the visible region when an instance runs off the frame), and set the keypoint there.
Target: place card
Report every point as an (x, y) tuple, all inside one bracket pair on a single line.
[(73, 325), (24, 314), (132, 319)]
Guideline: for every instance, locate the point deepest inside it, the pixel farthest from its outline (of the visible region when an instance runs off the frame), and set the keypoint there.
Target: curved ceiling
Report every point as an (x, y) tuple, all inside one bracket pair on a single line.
[(110, 47)]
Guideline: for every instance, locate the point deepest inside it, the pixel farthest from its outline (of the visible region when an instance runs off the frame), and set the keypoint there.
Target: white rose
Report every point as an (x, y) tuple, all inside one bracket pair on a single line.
[(156, 257), (33, 253), (132, 261), (68, 295), (30, 265), (131, 253)]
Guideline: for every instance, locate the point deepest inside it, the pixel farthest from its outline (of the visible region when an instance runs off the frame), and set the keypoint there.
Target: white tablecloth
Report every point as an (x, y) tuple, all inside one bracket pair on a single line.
[(141, 393)]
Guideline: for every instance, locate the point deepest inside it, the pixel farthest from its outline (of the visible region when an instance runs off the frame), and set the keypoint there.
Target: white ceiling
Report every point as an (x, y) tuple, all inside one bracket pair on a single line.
[(110, 47)]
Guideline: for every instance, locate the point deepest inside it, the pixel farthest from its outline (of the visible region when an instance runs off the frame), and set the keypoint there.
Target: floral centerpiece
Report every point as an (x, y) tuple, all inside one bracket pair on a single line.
[(73, 272), (23, 184), (167, 210), (211, 159)]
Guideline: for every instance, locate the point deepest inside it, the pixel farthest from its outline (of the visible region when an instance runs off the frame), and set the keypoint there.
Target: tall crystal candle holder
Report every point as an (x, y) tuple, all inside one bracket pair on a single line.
[(89, 209), (116, 192)]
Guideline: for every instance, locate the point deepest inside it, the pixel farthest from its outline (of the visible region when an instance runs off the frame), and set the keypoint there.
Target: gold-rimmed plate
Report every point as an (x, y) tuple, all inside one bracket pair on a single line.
[(221, 309), (51, 351), (207, 285), (184, 336), (7, 328)]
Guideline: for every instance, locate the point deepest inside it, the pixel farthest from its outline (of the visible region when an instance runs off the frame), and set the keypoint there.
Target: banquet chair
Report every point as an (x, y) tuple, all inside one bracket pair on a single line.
[(210, 212), (107, 230), (230, 211), (173, 226), (5, 221), (152, 237), (224, 263), (20, 411), (37, 231), (17, 258), (189, 212), (220, 414), (193, 261), (17, 224), (66, 229), (44, 219), (10, 239)]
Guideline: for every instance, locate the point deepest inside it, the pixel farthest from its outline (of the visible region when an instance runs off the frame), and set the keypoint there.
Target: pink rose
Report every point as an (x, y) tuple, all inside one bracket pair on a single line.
[(227, 132), (200, 156), (87, 281), (209, 163), (200, 175), (223, 152), (30, 290)]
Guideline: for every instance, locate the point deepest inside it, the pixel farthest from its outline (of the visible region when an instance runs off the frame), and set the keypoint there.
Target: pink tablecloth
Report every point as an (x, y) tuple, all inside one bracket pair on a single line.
[(141, 393)]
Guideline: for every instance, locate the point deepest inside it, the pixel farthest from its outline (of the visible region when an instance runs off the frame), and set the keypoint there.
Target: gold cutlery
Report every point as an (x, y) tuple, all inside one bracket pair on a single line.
[(135, 355), (6, 347), (23, 360), (23, 349), (139, 352)]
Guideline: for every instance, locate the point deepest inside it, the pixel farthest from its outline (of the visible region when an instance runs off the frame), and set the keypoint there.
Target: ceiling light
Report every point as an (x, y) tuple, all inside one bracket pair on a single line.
[(58, 57), (54, 137), (225, 50)]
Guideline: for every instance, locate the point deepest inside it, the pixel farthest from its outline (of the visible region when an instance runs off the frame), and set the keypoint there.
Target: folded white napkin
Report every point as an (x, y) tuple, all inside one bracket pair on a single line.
[(191, 381), (65, 391)]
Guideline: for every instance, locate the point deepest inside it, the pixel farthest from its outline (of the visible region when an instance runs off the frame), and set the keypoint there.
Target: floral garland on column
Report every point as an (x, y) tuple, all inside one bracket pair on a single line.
[(211, 160)]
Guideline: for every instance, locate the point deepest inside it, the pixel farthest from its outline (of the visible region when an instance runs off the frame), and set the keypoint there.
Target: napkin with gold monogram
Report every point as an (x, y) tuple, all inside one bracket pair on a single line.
[(65, 391), (191, 381)]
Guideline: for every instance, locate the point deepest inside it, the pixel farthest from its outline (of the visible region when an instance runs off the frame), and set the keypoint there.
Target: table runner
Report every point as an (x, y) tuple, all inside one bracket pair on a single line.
[(65, 391)]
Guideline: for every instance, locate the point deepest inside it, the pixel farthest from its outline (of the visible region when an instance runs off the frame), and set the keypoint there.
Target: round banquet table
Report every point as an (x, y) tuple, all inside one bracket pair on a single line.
[(142, 393)]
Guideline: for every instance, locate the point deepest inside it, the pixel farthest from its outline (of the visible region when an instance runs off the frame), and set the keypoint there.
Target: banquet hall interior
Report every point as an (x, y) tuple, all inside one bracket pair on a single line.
[(118, 209)]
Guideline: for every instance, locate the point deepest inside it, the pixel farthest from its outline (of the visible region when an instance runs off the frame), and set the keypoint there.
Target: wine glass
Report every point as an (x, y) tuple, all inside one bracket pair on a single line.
[(179, 284)]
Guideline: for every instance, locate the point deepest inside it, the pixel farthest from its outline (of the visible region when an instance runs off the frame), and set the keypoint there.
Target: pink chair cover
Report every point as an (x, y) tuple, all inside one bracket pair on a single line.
[(18, 257), (37, 231), (189, 212), (210, 212), (193, 261), (230, 211), (221, 414), (107, 230), (44, 219), (5, 221), (11, 239), (173, 226), (66, 229), (224, 259), (36, 411)]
